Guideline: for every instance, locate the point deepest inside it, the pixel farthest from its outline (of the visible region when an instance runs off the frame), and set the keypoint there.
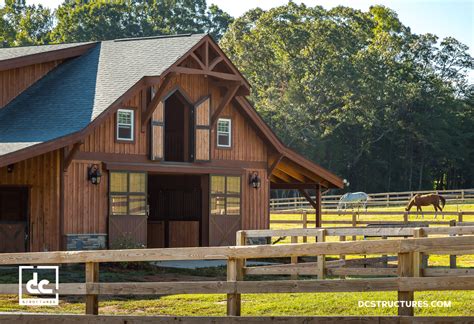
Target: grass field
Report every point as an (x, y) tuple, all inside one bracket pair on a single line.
[(462, 302)]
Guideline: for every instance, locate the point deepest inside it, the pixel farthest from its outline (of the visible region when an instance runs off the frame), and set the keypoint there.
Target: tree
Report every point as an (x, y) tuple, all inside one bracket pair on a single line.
[(21, 24), (97, 20), (360, 94)]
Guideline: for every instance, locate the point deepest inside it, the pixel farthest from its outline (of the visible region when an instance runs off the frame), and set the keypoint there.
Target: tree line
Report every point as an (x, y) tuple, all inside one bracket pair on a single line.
[(357, 92)]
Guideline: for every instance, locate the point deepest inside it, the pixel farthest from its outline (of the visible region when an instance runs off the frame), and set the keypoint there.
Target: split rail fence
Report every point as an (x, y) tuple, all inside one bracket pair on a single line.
[(406, 281), (384, 199), (372, 266), (329, 217)]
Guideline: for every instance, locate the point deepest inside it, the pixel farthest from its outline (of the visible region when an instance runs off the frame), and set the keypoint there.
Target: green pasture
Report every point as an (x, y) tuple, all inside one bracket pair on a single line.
[(462, 302)]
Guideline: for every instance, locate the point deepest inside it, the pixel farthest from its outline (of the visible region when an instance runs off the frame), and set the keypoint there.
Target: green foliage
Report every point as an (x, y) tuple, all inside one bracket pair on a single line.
[(78, 20), (24, 25), (98, 20), (361, 94)]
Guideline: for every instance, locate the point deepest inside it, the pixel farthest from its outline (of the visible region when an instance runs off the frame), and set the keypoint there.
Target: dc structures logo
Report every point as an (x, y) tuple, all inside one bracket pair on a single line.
[(39, 291)]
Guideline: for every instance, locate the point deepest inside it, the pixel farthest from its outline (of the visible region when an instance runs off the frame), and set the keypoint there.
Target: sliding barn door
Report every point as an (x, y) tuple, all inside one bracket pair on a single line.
[(158, 132), (202, 146)]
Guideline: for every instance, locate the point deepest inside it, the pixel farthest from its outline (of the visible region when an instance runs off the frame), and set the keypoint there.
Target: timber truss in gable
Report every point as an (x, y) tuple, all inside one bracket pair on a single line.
[(206, 59)]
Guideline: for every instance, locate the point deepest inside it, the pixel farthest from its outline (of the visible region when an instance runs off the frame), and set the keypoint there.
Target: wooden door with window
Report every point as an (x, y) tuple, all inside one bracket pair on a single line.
[(225, 215), (128, 210), (13, 219)]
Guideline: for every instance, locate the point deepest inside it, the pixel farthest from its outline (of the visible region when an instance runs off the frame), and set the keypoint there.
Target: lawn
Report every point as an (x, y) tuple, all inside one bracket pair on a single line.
[(462, 302)]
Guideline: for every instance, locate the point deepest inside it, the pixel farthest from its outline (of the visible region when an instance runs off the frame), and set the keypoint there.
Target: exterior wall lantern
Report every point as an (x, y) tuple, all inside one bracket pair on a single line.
[(255, 180), (93, 174)]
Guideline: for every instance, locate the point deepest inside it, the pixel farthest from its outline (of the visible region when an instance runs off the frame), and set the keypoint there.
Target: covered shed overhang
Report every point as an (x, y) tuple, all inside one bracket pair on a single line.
[(292, 171)]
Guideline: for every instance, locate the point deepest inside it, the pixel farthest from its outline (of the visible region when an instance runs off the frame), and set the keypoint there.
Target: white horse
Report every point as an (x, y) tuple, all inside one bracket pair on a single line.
[(353, 198)]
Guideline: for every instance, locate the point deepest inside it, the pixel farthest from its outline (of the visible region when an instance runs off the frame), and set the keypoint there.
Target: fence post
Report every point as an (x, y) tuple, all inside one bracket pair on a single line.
[(384, 256), (418, 257), (460, 214), (405, 217), (342, 238), (241, 240), (92, 300), (305, 224), (294, 258), (354, 224), (405, 269), (321, 259), (388, 200), (234, 274), (452, 258)]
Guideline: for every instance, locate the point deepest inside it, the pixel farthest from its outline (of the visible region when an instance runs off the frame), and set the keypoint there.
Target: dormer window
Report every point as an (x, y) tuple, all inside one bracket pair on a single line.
[(224, 132), (125, 122)]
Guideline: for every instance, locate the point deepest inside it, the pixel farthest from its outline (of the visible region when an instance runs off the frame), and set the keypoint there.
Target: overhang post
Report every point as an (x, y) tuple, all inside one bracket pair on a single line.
[(318, 209)]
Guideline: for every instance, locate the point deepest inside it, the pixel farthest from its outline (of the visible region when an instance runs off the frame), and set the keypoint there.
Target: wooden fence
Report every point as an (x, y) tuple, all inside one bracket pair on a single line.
[(374, 266), (329, 217), (384, 199), (407, 250)]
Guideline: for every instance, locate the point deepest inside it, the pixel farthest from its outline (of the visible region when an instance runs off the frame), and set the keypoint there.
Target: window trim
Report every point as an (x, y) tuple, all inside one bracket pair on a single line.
[(230, 133), (117, 124), (225, 194), (128, 193)]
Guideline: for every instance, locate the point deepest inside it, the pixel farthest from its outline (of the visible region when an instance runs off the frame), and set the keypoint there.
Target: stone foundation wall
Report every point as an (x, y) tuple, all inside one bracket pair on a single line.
[(77, 242)]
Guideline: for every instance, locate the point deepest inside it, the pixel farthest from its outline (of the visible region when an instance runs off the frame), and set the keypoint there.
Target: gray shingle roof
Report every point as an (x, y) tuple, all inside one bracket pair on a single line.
[(15, 52), (71, 96)]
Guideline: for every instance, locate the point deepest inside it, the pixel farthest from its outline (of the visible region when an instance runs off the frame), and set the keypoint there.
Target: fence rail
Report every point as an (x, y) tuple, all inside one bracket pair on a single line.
[(359, 267), (384, 199), (405, 218), (407, 251)]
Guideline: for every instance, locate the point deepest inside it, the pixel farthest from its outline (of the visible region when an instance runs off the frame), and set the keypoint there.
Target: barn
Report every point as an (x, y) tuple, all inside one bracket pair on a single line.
[(141, 142)]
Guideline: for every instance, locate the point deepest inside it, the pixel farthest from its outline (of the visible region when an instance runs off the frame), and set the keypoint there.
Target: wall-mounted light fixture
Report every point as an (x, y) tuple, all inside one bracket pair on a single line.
[(93, 174), (346, 183), (10, 168), (254, 180)]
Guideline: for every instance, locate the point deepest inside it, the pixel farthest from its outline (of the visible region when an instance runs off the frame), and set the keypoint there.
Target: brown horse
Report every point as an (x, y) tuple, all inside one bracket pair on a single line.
[(425, 200)]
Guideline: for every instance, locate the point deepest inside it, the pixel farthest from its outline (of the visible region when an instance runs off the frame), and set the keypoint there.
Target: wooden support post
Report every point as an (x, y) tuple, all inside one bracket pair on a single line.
[(305, 224), (342, 238), (452, 258), (405, 217), (92, 301), (354, 224), (294, 258), (405, 269), (460, 214), (385, 263), (418, 264), (321, 260), (234, 273), (241, 240), (318, 213)]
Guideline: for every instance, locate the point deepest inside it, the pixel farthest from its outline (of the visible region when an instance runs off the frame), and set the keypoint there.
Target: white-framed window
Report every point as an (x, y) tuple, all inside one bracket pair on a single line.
[(224, 132), (125, 124)]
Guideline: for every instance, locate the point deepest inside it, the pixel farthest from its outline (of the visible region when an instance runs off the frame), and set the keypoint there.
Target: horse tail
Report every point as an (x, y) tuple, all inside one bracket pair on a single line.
[(443, 200)]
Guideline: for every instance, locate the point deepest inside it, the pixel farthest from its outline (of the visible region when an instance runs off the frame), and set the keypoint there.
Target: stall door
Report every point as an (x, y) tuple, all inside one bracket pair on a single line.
[(225, 218), (13, 219)]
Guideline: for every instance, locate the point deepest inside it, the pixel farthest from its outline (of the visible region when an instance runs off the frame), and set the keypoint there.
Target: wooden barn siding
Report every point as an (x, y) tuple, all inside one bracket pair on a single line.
[(102, 138), (15, 81), (85, 204), (255, 209), (42, 175), (246, 144)]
